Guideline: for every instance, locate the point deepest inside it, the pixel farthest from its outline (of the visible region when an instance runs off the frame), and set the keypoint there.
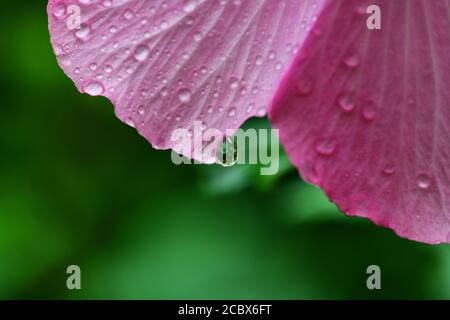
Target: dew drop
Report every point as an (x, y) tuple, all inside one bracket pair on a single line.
[(346, 103), (108, 69), (351, 61), (261, 112), (272, 55), (83, 32), (189, 5), (130, 122), (250, 107), (232, 112), (234, 83), (278, 66), (198, 36), (113, 29), (389, 169), (60, 11), (164, 25), (259, 60), (227, 155), (326, 147), (128, 14), (141, 110), (58, 49), (369, 111), (184, 95), (141, 52), (164, 92), (423, 181), (93, 88)]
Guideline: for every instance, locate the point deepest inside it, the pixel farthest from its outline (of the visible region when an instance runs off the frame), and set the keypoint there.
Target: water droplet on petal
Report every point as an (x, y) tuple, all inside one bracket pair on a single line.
[(93, 88), (59, 11), (141, 52), (198, 36), (346, 102), (369, 111), (234, 83), (272, 55), (259, 60), (128, 14), (278, 66), (184, 95), (326, 147), (83, 32), (232, 112), (351, 61), (189, 5), (108, 69), (389, 169), (130, 122), (423, 181)]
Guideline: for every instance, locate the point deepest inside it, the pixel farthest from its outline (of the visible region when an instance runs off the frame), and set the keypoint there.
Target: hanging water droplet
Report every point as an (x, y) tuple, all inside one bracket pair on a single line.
[(227, 153), (423, 181), (326, 147), (184, 95)]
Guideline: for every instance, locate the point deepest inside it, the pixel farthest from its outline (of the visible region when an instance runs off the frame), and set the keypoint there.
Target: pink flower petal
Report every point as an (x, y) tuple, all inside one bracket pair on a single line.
[(166, 64), (365, 114)]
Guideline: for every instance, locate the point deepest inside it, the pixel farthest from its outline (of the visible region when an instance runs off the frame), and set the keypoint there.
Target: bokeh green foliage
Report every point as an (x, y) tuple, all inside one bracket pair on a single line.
[(79, 187)]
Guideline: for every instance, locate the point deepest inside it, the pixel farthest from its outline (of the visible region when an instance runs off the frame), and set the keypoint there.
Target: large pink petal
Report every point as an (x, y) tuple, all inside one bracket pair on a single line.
[(166, 64), (365, 114)]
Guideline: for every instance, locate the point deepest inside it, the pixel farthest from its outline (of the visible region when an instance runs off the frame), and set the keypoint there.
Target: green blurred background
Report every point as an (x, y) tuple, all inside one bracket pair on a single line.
[(79, 187)]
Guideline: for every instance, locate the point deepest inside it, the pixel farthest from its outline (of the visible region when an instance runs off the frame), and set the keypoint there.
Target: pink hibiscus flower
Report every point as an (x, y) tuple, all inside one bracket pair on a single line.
[(359, 89)]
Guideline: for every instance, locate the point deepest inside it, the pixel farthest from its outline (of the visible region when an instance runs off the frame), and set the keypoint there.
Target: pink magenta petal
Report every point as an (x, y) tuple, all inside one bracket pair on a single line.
[(167, 64), (365, 114)]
